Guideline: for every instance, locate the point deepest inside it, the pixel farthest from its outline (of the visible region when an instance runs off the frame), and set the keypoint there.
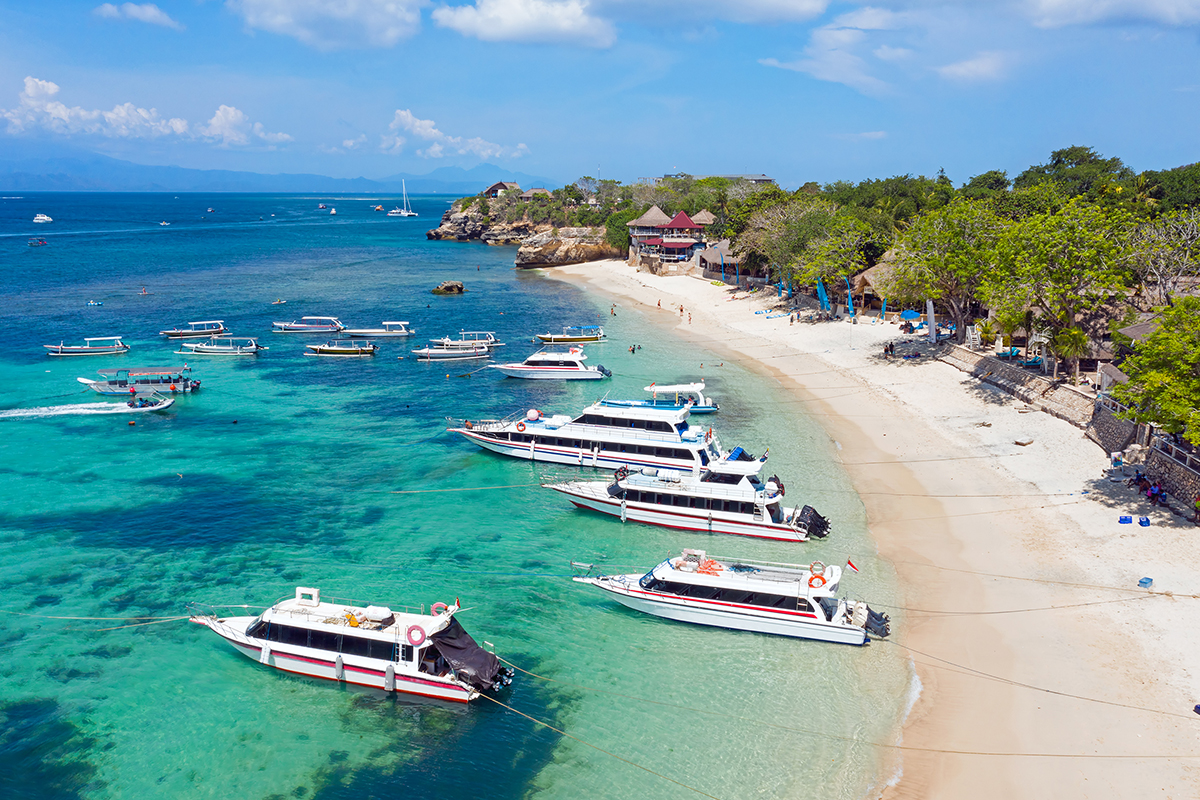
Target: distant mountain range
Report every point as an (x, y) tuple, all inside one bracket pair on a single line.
[(32, 168)]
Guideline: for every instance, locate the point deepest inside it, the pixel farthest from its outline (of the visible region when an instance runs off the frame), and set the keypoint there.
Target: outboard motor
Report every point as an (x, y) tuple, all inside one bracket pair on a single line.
[(878, 624), (812, 523)]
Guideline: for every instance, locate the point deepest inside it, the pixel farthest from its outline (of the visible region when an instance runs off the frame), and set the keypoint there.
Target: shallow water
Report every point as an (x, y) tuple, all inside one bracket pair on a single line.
[(337, 473)]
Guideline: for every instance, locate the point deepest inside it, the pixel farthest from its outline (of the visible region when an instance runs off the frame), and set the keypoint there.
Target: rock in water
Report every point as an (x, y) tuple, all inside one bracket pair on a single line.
[(565, 246), (450, 287)]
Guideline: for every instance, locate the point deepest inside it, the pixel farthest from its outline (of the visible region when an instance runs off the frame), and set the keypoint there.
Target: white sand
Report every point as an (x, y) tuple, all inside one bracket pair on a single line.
[(954, 503)]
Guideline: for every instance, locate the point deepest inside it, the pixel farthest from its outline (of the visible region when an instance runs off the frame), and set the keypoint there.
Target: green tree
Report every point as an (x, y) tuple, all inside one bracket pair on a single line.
[(616, 231), (987, 184), (1164, 373), (838, 251), (779, 234), (1071, 344), (1076, 170)]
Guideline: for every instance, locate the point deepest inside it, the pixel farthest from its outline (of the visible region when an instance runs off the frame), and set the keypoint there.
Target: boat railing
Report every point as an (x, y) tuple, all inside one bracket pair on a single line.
[(487, 424), (708, 489), (751, 562), (641, 433)]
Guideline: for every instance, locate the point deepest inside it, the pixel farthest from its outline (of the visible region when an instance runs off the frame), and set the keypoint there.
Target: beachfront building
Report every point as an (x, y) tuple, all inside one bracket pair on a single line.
[(645, 227), (537, 192), (502, 187)]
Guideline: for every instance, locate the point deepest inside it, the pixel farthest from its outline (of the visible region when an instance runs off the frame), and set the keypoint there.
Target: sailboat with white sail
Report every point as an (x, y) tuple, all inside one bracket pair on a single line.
[(406, 211)]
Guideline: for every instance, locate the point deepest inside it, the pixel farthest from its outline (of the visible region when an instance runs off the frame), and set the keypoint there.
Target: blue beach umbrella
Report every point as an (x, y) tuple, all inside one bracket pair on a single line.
[(908, 313)]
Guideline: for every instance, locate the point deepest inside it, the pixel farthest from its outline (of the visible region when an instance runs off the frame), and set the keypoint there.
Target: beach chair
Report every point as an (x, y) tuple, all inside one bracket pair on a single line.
[(1030, 363), (1009, 354)]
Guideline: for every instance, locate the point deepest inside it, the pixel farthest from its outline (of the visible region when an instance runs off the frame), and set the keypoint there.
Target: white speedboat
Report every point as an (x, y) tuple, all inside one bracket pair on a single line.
[(193, 330), (780, 599), (683, 395), (164, 223), (389, 330), (575, 334), (154, 401), (93, 346), (42, 218), (142, 380), (599, 437), (322, 206), (398, 650), (309, 325), (547, 365), (210, 211), (222, 346), (333, 212), (726, 497), (343, 347)]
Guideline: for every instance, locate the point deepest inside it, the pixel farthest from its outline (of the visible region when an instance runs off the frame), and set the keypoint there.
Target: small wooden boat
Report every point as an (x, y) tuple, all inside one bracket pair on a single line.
[(388, 331), (575, 334), (195, 330), (343, 347), (94, 346), (222, 346), (309, 325)]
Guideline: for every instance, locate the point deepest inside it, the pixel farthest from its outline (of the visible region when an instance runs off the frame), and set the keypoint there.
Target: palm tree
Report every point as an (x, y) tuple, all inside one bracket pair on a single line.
[(1071, 344)]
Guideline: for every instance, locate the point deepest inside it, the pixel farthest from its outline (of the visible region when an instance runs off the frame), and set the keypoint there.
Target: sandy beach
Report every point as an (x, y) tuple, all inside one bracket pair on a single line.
[(1045, 671)]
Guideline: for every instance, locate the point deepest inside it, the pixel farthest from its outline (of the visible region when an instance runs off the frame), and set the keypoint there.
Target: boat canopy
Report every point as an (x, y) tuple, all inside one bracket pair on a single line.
[(405, 322), (140, 371), (676, 388), (208, 322), (673, 415), (583, 328), (323, 319), (105, 339)]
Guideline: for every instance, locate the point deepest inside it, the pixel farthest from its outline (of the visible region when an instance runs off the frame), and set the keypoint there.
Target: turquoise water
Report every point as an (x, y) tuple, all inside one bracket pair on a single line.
[(337, 473)]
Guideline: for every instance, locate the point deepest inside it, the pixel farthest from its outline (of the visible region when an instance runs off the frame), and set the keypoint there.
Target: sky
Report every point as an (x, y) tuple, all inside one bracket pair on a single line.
[(802, 90)]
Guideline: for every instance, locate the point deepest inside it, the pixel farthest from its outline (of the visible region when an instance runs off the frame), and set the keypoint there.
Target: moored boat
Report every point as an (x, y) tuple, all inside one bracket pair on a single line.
[(222, 346), (599, 437), (343, 347), (726, 497), (683, 395), (37, 243), (758, 596), (191, 330), (42, 218), (388, 331), (461, 352), (93, 346), (469, 339), (548, 365), (575, 334), (142, 380), (309, 325), (398, 650)]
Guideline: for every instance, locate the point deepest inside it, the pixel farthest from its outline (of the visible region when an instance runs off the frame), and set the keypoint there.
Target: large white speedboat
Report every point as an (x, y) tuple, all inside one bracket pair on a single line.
[(42, 218), (404, 650), (726, 497), (195, 330), (222, 346), (547, 365), (575, 334), (599, 437), (92, 346), (390, 330), (142, 380), (309, 325), (683, 395), (780, 599)]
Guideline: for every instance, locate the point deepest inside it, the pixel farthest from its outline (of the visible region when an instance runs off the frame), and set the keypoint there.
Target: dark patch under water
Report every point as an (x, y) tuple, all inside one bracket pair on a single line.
[(43, 754)]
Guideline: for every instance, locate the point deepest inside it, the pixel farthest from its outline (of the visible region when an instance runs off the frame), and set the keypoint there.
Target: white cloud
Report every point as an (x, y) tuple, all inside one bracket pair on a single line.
[(1057, 13), (333, 24), (37, 109), (983, 67), (831, 53), (353, 144), (866, 136), (440, 143), (528, 21), (233, 128), (886, 53), (147, 12)]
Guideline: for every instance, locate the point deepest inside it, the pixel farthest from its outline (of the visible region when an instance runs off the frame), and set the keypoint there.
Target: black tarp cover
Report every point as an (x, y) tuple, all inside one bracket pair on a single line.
[(471, 662)]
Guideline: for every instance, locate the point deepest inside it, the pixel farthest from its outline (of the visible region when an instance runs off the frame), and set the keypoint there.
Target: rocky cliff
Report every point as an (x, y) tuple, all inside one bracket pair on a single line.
[(541, 245)]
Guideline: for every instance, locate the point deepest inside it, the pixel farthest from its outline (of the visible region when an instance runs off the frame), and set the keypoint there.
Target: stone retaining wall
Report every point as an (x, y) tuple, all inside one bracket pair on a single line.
[(1110, 431), (1062, 401), (1178, 480)]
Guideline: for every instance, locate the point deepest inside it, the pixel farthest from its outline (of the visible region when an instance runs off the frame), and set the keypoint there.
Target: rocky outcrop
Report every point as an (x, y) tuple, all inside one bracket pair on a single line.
[(472, 224), (449, 287), (565, 246)]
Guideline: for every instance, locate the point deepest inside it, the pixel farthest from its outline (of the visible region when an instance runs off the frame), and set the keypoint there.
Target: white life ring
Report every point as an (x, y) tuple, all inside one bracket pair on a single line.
[(416, 636)]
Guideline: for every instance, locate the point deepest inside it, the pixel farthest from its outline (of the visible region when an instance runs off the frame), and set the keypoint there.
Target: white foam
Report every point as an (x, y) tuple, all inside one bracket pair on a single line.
[(76, 409)]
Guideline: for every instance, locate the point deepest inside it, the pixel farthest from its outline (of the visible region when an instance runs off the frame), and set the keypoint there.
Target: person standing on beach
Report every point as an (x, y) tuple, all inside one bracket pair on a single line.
[(1196, 505)]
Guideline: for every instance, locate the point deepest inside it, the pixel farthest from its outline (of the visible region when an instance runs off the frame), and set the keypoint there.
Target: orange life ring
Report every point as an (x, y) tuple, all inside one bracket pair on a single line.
[(521, 427), (816, 581), (434, 608)]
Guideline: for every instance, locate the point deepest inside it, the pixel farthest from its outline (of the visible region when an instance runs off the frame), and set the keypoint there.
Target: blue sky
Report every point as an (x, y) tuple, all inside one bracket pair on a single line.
[(799, 89)]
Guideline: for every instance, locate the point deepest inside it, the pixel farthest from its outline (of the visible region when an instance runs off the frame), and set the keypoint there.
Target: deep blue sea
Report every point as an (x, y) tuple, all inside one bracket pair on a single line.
[(337, 473)]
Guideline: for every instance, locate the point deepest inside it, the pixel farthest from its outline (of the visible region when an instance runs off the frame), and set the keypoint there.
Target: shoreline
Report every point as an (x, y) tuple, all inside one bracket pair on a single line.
[(952, 503)]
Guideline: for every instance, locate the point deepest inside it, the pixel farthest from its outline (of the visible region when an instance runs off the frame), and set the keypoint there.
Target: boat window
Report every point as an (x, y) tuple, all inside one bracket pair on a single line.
[(703, 459), (721, 477), (297, 637), (733, 595), (633, 496), (672, 588), (647, 580), (385, 651), (698, 502), (257, 629), (356, 645), (679, 500), (323, 640)]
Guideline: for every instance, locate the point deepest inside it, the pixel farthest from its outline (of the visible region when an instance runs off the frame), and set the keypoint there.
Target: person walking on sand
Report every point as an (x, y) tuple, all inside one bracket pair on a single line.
[(689, 318)]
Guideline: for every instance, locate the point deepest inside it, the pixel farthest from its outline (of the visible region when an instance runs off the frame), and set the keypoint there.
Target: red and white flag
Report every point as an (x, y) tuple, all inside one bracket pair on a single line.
[(850, 564)]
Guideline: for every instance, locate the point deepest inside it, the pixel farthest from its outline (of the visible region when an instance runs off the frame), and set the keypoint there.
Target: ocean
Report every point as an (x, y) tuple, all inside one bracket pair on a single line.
[(285, 471)]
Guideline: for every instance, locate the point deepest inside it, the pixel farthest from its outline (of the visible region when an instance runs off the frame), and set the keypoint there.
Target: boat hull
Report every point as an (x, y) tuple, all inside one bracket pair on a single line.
[(110, 390), (674, 517), (317, 664), (465, 355), (375, 333), (548, 373), (729, 616), (692, 409), (177, 334), (220, 351), (570, 455), (56, 350), (558, 338)]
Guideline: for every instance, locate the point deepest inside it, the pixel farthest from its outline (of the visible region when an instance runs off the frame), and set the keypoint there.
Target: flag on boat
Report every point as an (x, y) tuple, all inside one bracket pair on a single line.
[(850, 564)]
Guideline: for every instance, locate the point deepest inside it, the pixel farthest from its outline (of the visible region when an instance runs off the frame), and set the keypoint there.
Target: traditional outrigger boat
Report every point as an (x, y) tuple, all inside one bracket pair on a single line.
[(142, 380), (575, 334), (389, 330), (223, 346), (726, 497), (457, 353), (195, 330), (759, 596), (683, 395), (470, 339), (547, 365), (404, 650), (108, 346), (343, 347), (309, 325)]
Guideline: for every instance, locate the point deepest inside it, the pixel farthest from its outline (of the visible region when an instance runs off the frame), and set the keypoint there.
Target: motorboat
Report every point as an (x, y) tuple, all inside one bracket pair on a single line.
[(222, 346), (322, 206), (455, 353), (548, 365), (41, 218), (37, 243), (469, 339), (93, 346), (683, 395), (759, 596), (575, 334), (117, 382), (402, 649), (95, 302), (194, 330), (727, 496), (210, 211), (390, 330), (333, 212), (343, 347), (309, 325), (154, 401), (164, 223), (599, 437), (379, 208)]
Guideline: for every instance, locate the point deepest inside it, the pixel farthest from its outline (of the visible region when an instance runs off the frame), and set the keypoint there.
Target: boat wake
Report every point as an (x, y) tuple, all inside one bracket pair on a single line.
[(75, 409)]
